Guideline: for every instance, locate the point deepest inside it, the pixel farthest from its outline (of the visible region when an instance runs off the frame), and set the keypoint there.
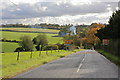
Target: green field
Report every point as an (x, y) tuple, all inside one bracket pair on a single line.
[(16, 36), (10, 47), (31, 30), (11, 67)]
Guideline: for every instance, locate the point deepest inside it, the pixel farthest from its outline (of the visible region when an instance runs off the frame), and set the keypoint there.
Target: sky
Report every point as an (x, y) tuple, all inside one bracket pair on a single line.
[(57, 11)]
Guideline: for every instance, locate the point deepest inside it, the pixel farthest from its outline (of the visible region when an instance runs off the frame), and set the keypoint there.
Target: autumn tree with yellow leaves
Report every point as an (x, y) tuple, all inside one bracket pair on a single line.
[(90, 39)]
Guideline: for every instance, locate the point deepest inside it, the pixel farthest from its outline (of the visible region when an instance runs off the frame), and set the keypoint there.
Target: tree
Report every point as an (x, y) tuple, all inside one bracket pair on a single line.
[(76, 40), (26, 43), (91, 39), (114, 23), (40, 41), (111, 30)]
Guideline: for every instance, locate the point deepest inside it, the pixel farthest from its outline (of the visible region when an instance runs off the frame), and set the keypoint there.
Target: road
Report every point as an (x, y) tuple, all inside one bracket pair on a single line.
[(83, 64)]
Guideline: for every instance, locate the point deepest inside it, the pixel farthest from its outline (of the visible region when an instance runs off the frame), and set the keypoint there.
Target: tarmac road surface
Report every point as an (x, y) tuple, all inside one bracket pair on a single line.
[(83, 64)]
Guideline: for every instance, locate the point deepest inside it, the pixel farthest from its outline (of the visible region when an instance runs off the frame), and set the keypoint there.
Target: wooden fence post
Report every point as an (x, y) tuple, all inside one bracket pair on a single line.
[(51, 50), (18, 56), (46, 52), (40, 53), (31, 54)]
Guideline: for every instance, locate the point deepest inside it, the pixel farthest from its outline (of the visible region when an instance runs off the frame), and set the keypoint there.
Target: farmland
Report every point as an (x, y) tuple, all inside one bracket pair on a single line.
[(30, 30), (6, 46), (11, 67), (9, 47), (16, 36)]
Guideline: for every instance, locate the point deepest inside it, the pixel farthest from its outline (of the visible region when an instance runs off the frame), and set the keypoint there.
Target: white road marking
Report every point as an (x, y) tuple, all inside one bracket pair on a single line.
[(81, 64)]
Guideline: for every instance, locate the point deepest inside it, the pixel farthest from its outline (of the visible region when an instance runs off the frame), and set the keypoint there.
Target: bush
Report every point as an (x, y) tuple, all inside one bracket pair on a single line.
[(20, 49), (37, 47), (61, 46), (49, 47), (72, 47), (8, 41), (18, 41), (87, 46), (13, 40), (45, 62), (4, 39), (62, 56)]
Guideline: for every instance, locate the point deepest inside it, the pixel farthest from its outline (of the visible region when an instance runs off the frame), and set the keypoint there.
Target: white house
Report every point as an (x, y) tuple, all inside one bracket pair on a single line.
[(73, 30)]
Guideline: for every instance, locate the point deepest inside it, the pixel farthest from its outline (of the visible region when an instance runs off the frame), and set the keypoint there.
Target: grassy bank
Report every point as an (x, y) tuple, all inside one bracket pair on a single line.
[(12, 67), (111, 57)]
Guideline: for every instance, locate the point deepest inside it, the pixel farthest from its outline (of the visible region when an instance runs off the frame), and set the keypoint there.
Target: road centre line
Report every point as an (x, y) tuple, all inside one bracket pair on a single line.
[(81, 64)]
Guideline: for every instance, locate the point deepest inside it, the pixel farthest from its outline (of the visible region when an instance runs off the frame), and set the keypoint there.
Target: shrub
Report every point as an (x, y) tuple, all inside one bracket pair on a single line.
[(19, 49), (49, 47), (45, 62), (61, 46), (4, 39), (37, 47), (13, 40), (8, 41), (72, 47), (62, 56)]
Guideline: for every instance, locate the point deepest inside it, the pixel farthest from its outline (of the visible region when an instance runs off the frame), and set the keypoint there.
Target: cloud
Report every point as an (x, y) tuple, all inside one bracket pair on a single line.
[(67, 19), (44, 9), (60, 11)]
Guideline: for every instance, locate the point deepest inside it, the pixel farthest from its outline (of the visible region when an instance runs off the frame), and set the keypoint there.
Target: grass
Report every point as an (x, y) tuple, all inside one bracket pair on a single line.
[(111, 57), (9, 47), (16, 36), (12, 67), (32, 30)]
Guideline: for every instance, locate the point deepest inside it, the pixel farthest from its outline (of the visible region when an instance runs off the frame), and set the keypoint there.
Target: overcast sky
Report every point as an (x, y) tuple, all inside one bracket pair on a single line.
[(57, 11)]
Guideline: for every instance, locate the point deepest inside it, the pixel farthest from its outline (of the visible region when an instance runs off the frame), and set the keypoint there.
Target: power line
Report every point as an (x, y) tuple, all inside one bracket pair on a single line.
[(14, 4)]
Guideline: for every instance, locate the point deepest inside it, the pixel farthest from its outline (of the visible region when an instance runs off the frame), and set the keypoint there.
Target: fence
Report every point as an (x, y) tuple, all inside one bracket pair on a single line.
[(47, 52)]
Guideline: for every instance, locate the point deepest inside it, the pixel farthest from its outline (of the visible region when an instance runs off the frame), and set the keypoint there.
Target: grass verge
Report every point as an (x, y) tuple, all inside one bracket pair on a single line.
[(11, 67), (111, 57)]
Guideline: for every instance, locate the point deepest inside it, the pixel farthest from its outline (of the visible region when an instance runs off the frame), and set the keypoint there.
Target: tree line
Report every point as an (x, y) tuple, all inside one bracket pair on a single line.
[(110, 32), (41, 25), (39, 42)]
